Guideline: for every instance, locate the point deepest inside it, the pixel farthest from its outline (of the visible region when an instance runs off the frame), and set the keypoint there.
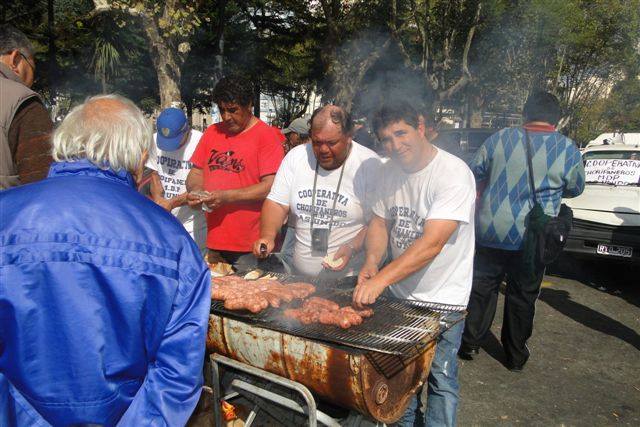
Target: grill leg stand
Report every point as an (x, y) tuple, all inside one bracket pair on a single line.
[(217, 397), (313, 415)]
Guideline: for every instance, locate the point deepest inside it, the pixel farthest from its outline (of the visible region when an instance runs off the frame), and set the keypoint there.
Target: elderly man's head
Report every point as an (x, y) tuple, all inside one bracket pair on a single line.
[(234, 97), (108, 130), (331, 132), (16, 52)]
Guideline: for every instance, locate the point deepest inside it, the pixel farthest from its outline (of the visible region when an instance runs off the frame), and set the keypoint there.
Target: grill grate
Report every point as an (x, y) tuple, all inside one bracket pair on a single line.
[(398, 327)]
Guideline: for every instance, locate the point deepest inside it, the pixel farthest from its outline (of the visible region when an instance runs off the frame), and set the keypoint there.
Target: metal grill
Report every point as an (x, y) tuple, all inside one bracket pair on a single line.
[(398, 327)]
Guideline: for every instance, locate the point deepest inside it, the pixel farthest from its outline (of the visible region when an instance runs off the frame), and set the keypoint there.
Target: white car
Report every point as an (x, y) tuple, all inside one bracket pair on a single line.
[(606, 216)]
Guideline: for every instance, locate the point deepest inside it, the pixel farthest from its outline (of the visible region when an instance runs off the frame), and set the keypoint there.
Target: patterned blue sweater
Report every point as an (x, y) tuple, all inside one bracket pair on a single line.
[(501, 165)]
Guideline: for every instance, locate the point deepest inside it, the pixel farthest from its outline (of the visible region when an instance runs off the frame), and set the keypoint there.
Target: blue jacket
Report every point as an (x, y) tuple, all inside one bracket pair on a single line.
[(104, 300)]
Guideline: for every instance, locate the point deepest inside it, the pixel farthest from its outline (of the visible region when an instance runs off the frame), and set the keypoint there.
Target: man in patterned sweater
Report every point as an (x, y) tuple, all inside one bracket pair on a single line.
[(501, 166)]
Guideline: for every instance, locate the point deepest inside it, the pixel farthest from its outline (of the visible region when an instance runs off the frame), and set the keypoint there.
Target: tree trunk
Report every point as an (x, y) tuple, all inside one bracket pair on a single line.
[(103, 81), (256, 99), (218, 59), (53, 69), (166, 62)]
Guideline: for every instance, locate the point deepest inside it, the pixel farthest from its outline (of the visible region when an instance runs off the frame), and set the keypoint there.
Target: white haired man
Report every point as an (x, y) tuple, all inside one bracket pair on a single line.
[(103, 317)]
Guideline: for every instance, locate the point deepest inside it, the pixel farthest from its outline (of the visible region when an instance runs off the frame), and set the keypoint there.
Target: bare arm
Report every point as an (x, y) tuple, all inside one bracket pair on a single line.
[(253, 193), (195, 179), (375, 247), (271, 219), (436, 234), (346, 251), (194, 183), (157, 193)]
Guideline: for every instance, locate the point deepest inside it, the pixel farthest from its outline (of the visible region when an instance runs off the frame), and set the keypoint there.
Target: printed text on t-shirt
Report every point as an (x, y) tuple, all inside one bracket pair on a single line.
[(224, 160), (323, 209), (407, 227)]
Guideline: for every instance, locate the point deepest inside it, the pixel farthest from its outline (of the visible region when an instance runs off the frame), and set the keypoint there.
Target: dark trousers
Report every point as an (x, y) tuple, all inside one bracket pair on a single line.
[(489, 270)]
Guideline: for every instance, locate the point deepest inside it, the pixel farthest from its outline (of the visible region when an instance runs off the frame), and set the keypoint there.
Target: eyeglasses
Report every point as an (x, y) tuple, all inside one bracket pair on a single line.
[(33, 66)]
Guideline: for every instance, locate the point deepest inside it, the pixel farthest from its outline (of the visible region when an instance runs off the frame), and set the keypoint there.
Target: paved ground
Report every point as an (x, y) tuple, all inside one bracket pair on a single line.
[(585, 364)]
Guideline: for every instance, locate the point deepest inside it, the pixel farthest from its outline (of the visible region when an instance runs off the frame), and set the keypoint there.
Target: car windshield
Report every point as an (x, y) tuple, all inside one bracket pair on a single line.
[(612, 167)]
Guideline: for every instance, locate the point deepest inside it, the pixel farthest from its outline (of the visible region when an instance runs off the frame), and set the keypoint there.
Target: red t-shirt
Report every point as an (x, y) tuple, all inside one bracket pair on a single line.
[(236, 161)]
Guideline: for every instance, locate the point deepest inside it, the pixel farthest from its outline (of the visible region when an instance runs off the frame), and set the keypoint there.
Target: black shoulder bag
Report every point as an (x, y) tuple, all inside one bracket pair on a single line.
[(545, 236)]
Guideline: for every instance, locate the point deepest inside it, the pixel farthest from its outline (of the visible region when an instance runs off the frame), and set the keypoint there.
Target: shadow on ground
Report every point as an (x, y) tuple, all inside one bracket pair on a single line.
[(561, 301), (615, 278)]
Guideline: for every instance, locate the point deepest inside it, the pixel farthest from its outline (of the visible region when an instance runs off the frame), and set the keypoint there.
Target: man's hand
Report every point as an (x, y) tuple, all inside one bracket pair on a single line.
[(345, 252), (270, 244), (166, 204), (216, 199), (367, 292), (367, 272), (194, 200)]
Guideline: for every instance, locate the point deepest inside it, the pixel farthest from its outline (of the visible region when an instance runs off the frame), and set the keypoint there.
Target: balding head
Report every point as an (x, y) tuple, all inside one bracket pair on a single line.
[(331, 130), (108, 130), (332, 115)]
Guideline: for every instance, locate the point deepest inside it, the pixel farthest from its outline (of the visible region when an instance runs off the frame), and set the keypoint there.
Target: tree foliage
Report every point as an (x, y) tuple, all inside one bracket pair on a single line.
[(457, 57)]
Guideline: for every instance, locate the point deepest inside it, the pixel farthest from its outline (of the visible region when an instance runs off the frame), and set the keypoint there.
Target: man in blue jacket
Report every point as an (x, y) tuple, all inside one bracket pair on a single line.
[(104, 297)]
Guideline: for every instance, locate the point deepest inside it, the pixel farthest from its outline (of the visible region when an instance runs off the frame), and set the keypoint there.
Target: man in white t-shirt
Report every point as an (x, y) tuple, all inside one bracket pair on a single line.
[(175, 142), (424, 212), (327, 187)]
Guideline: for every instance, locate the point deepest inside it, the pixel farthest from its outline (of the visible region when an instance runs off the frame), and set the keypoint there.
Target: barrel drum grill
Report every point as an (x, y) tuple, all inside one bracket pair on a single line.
[(373, 368)]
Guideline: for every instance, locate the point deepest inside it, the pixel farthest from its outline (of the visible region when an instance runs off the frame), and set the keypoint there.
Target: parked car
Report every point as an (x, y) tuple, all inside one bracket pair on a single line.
[(606, 220)]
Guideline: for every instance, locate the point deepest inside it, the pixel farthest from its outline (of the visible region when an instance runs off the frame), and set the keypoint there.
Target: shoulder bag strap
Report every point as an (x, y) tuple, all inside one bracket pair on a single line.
[(527, 145)]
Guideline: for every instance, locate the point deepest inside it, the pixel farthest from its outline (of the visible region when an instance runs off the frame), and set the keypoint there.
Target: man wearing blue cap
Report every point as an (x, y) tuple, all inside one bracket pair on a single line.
[(176, 142)]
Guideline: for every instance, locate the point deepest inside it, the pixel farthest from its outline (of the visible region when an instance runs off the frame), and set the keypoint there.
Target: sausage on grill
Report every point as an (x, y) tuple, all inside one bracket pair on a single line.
[(241, 294)]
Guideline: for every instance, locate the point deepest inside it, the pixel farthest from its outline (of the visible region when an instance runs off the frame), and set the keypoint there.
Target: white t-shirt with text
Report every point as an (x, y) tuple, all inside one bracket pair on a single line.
[(444, 189), (293, 187), (173, 168)]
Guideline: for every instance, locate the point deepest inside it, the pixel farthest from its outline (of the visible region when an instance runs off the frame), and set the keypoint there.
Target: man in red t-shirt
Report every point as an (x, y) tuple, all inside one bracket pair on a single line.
[(235, 162)]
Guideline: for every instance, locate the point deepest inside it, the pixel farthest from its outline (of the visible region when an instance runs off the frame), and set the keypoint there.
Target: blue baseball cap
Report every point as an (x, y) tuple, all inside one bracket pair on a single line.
[(172, 124)]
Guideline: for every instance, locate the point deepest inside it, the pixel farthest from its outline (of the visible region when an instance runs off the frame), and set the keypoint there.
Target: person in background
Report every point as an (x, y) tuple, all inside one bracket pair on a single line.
[(325, 186), (296, 133), (176, 142), (424, 212), (236, 162), (25, 150), (501, 166), (362, 134), (104, 301)]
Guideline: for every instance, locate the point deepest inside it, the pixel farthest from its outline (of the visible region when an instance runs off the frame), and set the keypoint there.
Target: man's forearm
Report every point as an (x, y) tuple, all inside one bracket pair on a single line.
[(194, 180), (358, 242), (253, 193), (420, 253), (271, 219), (179, 200), (157, 191), (376, 241)]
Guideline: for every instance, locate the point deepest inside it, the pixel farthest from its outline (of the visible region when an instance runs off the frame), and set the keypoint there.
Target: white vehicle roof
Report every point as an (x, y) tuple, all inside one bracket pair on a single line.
[(631, 138), (611, 148)]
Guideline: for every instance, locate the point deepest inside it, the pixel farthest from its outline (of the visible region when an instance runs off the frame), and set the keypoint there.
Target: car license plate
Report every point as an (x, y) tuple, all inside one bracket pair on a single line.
[(623, 251)]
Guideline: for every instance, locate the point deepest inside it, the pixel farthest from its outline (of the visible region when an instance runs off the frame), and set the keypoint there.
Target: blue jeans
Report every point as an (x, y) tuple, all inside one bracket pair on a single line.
[(442, 385)]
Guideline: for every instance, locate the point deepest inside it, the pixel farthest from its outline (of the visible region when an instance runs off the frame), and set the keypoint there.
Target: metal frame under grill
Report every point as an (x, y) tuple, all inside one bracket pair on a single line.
[(398, 331)]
